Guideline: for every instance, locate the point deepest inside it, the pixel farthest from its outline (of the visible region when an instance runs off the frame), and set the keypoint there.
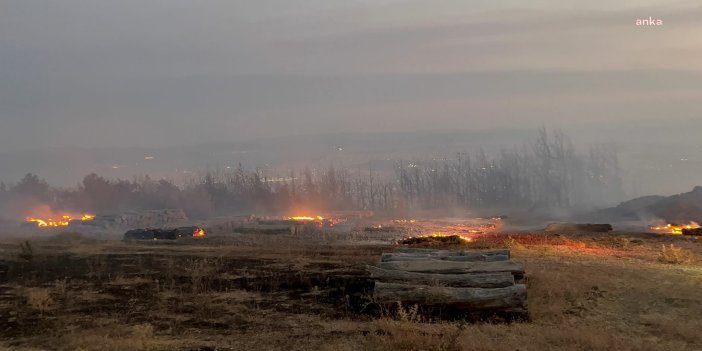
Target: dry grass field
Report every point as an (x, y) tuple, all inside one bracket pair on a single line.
[(618, 291)]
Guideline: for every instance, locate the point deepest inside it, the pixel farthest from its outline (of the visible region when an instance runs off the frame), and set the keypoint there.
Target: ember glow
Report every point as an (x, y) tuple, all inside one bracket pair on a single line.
[(63, 221), (673, 228)]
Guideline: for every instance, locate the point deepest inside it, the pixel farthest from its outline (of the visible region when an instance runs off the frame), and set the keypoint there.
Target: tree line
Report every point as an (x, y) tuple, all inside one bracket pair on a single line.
[(546, 173)]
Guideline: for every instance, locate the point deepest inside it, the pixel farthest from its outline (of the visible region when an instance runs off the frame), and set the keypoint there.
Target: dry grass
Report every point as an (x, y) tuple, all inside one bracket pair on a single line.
[(138, 337), (280, 293), (39, 299), (675, 255)]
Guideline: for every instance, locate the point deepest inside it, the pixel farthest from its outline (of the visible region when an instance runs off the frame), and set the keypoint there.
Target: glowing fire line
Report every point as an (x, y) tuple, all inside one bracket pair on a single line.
[(63, 222), (306, 218)]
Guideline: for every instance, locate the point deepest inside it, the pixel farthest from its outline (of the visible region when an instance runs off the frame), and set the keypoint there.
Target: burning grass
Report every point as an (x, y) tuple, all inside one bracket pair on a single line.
[(59, 221)]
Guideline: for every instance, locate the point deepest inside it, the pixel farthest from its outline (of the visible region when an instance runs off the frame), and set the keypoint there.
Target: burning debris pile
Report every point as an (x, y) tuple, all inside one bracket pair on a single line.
[(457, 282)]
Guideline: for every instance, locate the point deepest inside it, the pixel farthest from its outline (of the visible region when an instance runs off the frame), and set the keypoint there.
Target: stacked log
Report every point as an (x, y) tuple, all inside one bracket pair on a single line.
[(466, 281)]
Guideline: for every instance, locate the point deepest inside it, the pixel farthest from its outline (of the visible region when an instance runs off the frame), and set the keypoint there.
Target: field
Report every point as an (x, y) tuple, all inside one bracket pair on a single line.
[(618, 291)]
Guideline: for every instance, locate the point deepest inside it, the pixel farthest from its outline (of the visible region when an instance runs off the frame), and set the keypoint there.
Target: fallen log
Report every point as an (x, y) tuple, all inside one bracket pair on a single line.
[(502, 255), (454, 267), (420, 250), (482, 258), (693, 231), (432, 252), (469, 280), (512, 298)]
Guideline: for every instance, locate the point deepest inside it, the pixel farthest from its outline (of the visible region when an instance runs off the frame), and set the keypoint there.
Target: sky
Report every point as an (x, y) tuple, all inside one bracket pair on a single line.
[(148, 73)]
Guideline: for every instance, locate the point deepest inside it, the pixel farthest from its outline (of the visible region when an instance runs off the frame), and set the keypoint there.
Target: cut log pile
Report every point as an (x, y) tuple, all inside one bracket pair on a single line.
[(467, 281)]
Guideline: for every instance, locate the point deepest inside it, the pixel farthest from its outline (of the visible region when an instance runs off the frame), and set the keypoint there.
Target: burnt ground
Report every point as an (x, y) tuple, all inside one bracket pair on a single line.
[(252, 291)]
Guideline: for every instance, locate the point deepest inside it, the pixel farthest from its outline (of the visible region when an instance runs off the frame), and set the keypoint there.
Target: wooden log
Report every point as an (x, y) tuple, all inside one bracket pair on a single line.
[(469, 280), (481, 258), (512, 298), (416, 250), (694, 231), (462, 256), (431, 252), (453, 267)]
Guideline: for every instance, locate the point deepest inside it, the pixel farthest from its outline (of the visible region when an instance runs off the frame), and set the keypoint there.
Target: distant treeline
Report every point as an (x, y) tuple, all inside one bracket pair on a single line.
[(547, 173)]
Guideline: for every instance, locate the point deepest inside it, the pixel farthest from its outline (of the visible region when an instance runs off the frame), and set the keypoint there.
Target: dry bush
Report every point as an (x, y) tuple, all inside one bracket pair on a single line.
[(675, 255), (407, 313), (26, 251), (39, 299)]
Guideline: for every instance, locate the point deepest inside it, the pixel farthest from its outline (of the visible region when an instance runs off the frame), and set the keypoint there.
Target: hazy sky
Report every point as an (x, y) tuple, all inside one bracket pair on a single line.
[(160, 72)]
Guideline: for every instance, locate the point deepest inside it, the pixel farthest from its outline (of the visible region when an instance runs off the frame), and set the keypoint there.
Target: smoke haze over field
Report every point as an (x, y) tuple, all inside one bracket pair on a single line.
[(97, 86), (163, 72)]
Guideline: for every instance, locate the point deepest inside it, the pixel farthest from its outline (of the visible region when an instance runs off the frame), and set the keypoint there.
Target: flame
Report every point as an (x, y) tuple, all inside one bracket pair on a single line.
[(199, 233), (62, 222), (440, 234), (674, 228), (306, 218)]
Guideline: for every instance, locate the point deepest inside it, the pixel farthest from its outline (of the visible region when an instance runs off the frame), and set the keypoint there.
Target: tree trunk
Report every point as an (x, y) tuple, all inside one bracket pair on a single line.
[(512, 298), (470, 280)]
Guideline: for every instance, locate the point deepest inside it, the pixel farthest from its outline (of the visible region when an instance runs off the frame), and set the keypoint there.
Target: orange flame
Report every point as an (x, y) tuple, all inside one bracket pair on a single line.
[(199, 233), (673, 228), (63, 222), (306, 218)]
